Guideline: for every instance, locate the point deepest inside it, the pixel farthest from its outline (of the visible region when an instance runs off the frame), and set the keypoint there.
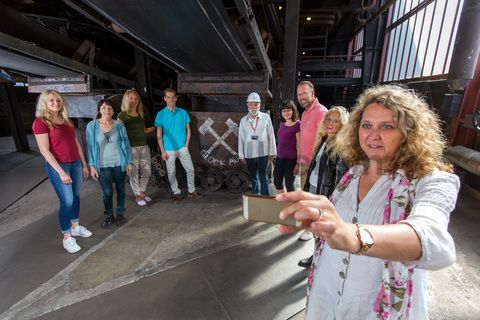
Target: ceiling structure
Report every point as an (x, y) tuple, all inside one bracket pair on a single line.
[(192, 36)]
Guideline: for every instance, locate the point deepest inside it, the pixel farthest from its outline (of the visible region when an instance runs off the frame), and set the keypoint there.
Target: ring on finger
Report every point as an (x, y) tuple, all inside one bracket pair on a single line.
[(321, 213)]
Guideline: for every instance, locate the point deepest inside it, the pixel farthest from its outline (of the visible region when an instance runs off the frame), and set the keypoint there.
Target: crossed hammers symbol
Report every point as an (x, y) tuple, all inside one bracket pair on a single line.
[(207, 127)]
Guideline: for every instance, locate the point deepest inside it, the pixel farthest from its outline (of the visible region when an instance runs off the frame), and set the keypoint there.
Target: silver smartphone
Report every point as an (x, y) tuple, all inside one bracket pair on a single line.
[(266, 209)]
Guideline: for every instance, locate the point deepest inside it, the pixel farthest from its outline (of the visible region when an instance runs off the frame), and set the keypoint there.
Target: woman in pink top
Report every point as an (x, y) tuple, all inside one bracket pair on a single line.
[(64, 161)]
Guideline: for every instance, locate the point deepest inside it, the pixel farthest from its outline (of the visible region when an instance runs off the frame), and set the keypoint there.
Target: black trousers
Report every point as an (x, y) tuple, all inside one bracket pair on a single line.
[(284, 170)]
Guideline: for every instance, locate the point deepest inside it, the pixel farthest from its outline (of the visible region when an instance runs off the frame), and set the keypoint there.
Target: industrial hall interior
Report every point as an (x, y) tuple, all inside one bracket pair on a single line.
[(240, 159)]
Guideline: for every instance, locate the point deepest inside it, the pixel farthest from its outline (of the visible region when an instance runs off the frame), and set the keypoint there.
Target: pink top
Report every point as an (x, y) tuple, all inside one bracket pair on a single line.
[(61, 139), (308, 130)]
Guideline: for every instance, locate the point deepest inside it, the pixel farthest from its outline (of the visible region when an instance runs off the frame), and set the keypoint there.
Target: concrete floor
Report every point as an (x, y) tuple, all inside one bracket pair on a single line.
[(195, 260)]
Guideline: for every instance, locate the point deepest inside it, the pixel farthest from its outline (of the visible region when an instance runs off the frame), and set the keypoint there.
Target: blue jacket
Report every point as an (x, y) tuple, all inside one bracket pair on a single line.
[(94, 148)]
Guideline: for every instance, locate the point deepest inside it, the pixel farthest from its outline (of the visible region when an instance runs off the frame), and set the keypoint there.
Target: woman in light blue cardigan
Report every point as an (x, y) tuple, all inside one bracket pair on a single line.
[(109, 159)]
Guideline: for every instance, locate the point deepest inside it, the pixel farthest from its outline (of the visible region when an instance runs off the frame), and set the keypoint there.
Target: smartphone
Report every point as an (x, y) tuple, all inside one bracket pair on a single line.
[(266, 209)]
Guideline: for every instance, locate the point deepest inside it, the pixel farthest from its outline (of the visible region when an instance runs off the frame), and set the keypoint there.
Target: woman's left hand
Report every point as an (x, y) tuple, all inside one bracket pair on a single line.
[(129, 169), (318, 214), (86, 172)]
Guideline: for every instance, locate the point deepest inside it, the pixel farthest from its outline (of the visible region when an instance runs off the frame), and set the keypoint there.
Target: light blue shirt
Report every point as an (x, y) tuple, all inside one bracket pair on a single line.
[(173, 125), (109, 143), (93, 145)]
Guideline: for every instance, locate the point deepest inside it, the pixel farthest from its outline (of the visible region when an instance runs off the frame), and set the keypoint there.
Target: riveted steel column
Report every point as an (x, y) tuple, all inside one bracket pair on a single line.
[(374, 35), (467, 46), (144, 83)]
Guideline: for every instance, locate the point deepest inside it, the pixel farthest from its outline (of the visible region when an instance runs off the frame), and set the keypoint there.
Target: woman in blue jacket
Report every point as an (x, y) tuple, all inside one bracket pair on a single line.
[(109, 159)]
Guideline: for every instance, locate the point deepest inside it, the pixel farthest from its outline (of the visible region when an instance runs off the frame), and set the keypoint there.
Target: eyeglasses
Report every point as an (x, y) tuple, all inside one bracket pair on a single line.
[(107, 136)]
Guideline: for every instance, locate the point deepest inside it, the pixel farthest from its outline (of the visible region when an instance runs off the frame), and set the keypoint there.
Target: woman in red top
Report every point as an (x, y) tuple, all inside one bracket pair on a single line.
[(64, 161)]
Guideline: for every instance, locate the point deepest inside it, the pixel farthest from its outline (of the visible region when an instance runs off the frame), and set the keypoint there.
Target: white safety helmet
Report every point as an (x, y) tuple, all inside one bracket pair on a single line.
[(253, 97)]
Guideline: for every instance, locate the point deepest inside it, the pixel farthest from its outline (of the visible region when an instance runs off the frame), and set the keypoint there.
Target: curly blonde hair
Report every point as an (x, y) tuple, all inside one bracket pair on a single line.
[(422, 147), (321, 131), (126, 103), (45, 114)]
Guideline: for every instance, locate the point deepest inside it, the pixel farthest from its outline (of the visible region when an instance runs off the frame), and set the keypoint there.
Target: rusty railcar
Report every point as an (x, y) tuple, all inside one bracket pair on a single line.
[(217, 103)]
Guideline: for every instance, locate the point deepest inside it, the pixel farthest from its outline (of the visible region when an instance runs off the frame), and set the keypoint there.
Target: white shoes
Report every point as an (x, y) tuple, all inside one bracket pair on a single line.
[(80, 231), (71, 245), (147, 199), (305, 236)]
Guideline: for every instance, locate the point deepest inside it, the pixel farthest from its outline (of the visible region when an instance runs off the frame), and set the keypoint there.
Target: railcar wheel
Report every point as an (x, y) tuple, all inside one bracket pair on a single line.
[(212, 180), (237, 181)]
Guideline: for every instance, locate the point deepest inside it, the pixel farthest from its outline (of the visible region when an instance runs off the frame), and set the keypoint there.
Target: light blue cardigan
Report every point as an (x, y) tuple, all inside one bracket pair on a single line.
[(93, 147)]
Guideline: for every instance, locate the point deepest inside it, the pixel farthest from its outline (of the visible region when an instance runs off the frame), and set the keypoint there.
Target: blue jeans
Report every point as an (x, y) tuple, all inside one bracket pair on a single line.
[(68, 194), (107, 177), (257, 167)]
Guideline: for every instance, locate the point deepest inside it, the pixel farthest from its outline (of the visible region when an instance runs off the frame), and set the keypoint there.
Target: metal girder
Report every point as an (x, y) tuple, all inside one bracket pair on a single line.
[(140, 45), (223, 83), (467, 46), (54, 58), (334, 81), (246, 12), (28, 65), (194, 35), (290, 49), (320, 65), (78, 84)]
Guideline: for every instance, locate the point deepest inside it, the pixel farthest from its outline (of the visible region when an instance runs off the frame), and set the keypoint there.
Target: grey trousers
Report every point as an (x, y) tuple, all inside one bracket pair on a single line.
[(142, 164)]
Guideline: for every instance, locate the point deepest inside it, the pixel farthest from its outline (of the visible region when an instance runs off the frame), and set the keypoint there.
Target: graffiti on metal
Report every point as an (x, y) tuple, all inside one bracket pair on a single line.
[(206, 128)]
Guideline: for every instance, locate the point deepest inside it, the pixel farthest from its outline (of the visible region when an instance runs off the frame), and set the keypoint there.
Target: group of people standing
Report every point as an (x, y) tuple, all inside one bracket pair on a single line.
[(115, 149), (298, 143), (377, 196), (377, 225)]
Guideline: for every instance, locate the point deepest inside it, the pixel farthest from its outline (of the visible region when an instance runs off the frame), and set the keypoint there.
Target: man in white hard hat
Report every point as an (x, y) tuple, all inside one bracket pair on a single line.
[(256, 143)]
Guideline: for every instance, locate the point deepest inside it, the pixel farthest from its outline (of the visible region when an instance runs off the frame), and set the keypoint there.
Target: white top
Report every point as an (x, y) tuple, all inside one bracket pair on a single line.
[(345, 286), (314, 175), (256, 138)]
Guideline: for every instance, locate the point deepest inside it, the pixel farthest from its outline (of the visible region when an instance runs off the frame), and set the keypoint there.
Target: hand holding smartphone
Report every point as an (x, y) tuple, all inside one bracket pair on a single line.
[(266, 209)]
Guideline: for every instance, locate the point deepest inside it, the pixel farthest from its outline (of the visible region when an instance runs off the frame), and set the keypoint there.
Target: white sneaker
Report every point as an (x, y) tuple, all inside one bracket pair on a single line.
[(71, 245), (140, 202), (80, 231), (148, 199), (306, 235)]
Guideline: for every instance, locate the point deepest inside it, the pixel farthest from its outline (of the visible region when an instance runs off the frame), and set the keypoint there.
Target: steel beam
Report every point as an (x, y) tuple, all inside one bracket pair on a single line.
[(246, 12), (334, 81), (374, 35), (290, 49), (223, 83), (78, 84), (321, 65), (54, 58), (466, 48), (144, 82)]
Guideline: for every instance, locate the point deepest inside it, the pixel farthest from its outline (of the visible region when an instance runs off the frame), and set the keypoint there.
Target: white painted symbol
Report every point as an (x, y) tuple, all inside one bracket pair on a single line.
[(207, 127)]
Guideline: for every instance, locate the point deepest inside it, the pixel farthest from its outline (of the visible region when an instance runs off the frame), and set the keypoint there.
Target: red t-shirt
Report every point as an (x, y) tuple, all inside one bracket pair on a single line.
[(61, 139)]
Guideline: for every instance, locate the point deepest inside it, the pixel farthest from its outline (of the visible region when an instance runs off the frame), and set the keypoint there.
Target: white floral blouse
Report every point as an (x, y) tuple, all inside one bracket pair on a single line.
[(345, 286)]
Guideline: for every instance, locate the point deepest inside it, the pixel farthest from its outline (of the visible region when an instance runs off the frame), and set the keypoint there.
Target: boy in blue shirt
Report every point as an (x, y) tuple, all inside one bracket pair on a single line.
[(173, 136)]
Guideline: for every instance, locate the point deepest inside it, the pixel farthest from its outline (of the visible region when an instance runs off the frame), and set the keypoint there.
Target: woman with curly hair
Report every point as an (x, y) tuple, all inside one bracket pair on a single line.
[(386, 222), (64, 161), (133, 117)]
